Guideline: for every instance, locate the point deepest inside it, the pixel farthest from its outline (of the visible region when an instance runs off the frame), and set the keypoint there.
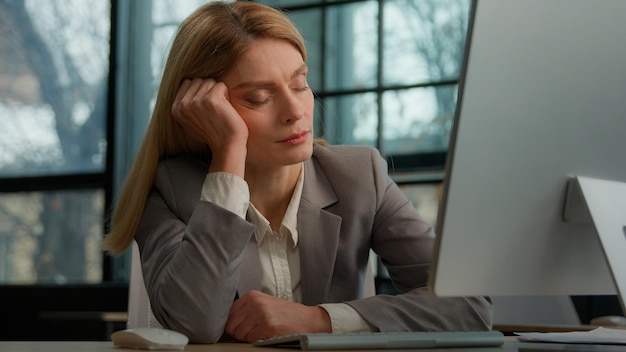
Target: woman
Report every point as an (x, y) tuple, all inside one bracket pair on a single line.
[(247, 227)]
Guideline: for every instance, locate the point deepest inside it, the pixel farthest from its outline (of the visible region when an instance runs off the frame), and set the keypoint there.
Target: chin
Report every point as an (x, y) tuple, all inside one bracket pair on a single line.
[(300, 154), (303, 154)]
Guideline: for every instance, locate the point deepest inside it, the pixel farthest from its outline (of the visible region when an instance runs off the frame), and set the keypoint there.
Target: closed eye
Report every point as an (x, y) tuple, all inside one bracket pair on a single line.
[(300, 83), (258, 98)]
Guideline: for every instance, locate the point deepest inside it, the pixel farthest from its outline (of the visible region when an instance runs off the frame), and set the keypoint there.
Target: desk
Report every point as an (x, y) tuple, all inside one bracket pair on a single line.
[(511, 345)]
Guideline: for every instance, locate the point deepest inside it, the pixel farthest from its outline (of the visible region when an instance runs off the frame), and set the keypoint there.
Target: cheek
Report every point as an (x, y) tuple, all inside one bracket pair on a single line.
[(248, 117), (309, 106), (257, 124), (311, 102)]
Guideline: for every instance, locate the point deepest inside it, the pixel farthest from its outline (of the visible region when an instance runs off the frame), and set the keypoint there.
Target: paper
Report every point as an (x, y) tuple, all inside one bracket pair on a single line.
[(595, 336)]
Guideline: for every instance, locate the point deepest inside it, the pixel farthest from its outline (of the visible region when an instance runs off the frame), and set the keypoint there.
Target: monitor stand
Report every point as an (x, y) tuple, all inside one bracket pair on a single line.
[(603, 204)]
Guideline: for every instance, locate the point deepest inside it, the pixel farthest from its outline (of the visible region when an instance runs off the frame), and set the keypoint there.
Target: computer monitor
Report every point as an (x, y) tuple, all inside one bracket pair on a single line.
[(542, 101)]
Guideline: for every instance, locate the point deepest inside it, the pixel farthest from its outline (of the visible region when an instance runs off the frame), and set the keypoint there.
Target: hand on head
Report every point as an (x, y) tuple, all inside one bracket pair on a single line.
[(203, 109)]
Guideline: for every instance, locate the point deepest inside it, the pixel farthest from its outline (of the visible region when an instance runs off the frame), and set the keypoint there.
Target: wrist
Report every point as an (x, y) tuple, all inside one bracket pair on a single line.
[(230, 160), (323, 320)]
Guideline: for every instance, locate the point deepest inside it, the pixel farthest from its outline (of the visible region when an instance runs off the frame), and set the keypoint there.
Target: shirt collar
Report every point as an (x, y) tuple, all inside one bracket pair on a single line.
[(289, 226), (290, 221)]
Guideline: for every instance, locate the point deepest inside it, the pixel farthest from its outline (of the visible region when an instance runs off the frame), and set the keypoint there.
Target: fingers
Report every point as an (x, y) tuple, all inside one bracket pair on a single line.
[(242, 318), (201, 107), (235, 316), (191, 96), (250, 317)]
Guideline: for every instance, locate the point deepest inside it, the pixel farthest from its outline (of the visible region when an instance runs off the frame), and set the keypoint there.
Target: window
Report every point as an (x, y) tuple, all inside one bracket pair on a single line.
[(54, 72)]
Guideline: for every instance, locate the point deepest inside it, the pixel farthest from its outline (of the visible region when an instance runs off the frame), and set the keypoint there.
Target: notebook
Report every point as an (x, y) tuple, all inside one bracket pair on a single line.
[(385, 340)]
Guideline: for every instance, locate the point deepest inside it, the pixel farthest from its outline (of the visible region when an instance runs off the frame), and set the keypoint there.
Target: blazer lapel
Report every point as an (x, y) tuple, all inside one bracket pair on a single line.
[(318, 235)]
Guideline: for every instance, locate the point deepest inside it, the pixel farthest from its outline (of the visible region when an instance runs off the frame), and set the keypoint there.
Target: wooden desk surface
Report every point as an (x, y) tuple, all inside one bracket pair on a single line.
[(511, 345)]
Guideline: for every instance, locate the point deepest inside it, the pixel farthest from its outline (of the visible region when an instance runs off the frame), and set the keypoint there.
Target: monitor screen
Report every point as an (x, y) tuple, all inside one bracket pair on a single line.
[(542, 98)]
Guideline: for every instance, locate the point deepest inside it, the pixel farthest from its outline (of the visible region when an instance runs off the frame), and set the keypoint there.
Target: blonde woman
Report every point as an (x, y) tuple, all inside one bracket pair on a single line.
[(247, 227)]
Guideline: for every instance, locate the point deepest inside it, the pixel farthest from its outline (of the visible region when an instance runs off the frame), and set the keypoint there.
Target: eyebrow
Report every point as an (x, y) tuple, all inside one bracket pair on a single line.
[(263, 84)]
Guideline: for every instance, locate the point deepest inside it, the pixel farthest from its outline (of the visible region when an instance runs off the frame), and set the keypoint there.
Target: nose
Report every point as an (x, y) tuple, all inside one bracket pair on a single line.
[(293, 109)]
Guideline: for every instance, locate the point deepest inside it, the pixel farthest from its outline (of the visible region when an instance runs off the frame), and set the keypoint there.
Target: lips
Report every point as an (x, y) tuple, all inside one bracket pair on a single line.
[(296, 138)]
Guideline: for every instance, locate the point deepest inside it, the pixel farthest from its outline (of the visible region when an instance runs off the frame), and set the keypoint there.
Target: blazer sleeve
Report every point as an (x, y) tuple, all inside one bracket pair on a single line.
[(404, 243), (191, 253)]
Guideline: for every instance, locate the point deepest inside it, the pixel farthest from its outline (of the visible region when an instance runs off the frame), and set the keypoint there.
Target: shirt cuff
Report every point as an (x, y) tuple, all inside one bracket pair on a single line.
[(228, 191), (344, 318)]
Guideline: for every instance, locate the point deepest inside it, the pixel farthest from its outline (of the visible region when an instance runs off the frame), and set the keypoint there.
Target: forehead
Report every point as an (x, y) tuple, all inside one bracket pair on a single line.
[(266, 58)]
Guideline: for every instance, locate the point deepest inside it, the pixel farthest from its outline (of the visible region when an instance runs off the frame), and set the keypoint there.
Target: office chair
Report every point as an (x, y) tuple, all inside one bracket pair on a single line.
[(139, 309)]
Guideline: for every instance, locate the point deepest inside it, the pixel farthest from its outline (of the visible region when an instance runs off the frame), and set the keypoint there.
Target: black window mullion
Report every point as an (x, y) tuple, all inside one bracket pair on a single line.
[(107, 261), (52, 183), (379, 78)]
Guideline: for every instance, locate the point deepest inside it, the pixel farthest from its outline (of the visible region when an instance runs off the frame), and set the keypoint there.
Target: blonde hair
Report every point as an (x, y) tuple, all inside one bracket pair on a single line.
[(208, 43)]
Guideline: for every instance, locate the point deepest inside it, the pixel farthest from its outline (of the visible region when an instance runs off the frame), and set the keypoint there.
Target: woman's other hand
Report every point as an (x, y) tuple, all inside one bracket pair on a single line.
[(204, 111), (257, 315)]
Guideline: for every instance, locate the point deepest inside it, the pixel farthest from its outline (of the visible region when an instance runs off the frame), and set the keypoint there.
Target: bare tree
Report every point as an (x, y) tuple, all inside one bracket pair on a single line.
[(439, 31), (47, 60), (61, 87)]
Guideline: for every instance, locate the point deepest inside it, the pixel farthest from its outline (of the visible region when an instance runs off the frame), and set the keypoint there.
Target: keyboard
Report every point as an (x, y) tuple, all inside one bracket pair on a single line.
[(385, 340)]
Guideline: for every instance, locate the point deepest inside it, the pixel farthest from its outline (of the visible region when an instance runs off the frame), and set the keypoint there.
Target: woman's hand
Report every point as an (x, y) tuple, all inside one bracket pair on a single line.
[(204, 111), (257, 315)]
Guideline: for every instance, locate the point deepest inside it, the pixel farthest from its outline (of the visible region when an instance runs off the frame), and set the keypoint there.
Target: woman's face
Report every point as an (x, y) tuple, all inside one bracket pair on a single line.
[(268, 88)]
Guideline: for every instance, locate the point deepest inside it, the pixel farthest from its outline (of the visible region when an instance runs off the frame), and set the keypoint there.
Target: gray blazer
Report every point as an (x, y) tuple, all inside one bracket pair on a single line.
[(197, 257)]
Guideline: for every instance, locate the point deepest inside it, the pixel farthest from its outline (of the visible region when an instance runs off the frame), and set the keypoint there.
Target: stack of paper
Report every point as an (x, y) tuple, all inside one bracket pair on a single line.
[(596, 336)]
